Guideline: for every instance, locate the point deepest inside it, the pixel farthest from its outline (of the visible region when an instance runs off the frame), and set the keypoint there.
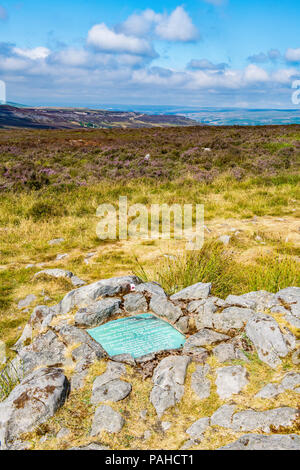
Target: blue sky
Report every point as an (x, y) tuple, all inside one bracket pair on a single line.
[(197, 53)]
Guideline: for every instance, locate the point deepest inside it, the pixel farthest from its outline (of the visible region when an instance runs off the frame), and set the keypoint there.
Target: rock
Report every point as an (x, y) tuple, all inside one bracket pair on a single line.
[(250, 420), (147, 435), (85, 295), (260, 442), (223, 416), (291, 381), (106, 419), (77, 282), (225, 239), (135, 303), (296, 357), (166, 425), (164, 308), (109, 387), (197, 291), (204, 337), (60, 273), (292, 320), (27, 301), (188, 444), (56, 241), (24, 338), (88, 256), (150, 288), (200, 384), (227, 352), (230, 380), (39, 315), (197, 429), (232, 318), (279, 309), (168, 379), (240, 301), (96, 313), (114, 391), (269, 391), (144, 414), (291, 297), (32, 402), (61, 256), (267, 338), (125, 358), (92, 446), (45, 350), (63, 433), (183, 324)]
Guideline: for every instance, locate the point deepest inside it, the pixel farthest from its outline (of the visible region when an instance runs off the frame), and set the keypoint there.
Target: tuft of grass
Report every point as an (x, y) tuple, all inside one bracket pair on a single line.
[(273, 272), (212, 263), (9, 378)]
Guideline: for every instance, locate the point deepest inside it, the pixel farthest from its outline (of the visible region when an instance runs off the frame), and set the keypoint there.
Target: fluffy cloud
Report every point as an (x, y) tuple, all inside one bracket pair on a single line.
[(101, 38), (141, 24), (292, 55), (178, 26), (33, 54)]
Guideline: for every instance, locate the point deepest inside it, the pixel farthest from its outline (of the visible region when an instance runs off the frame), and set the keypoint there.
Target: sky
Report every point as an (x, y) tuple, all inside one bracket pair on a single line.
[(219, 53)]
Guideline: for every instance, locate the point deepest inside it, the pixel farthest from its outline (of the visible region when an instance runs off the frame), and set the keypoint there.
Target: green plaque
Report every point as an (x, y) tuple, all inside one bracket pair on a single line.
[(138, 335)]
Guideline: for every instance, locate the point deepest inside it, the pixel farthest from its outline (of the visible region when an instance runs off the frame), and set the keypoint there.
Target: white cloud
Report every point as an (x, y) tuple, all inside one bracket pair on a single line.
[(255, 74), (178, 26), (102, 38), (33, 54), (292, 55), (140, 24)]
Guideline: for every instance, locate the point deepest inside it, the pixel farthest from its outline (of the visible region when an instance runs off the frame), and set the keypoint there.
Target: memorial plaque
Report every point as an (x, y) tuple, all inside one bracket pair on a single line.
[(138, 335)]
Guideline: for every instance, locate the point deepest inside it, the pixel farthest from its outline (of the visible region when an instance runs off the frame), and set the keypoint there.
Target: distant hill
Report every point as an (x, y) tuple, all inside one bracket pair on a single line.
[(76, 118)]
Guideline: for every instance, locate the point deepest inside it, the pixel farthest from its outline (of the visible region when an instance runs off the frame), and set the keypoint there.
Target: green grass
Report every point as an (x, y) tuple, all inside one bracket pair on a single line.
[(215, 264)]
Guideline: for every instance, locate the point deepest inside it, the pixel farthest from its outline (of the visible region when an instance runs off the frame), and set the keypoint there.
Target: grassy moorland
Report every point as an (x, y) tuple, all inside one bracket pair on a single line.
[(52, 182)]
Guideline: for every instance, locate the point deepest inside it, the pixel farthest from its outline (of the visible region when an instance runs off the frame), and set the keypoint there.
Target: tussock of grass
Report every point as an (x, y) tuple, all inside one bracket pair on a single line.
[(213, 263)]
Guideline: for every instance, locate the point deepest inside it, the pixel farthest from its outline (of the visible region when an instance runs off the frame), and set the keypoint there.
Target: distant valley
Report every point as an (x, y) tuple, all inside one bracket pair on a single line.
[(77, 118)]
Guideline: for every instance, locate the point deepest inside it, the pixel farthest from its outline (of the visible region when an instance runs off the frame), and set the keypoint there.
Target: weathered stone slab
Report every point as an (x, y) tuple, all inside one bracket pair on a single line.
[(197, 291), (106, 419), (270, 343), (97, 313), (168, 379), (230, 380), (83, 296), (109, 387), (138, 335), (165, 309), (200, 384), (32, 402), (260, 442), (197, 429), (135, 303)]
